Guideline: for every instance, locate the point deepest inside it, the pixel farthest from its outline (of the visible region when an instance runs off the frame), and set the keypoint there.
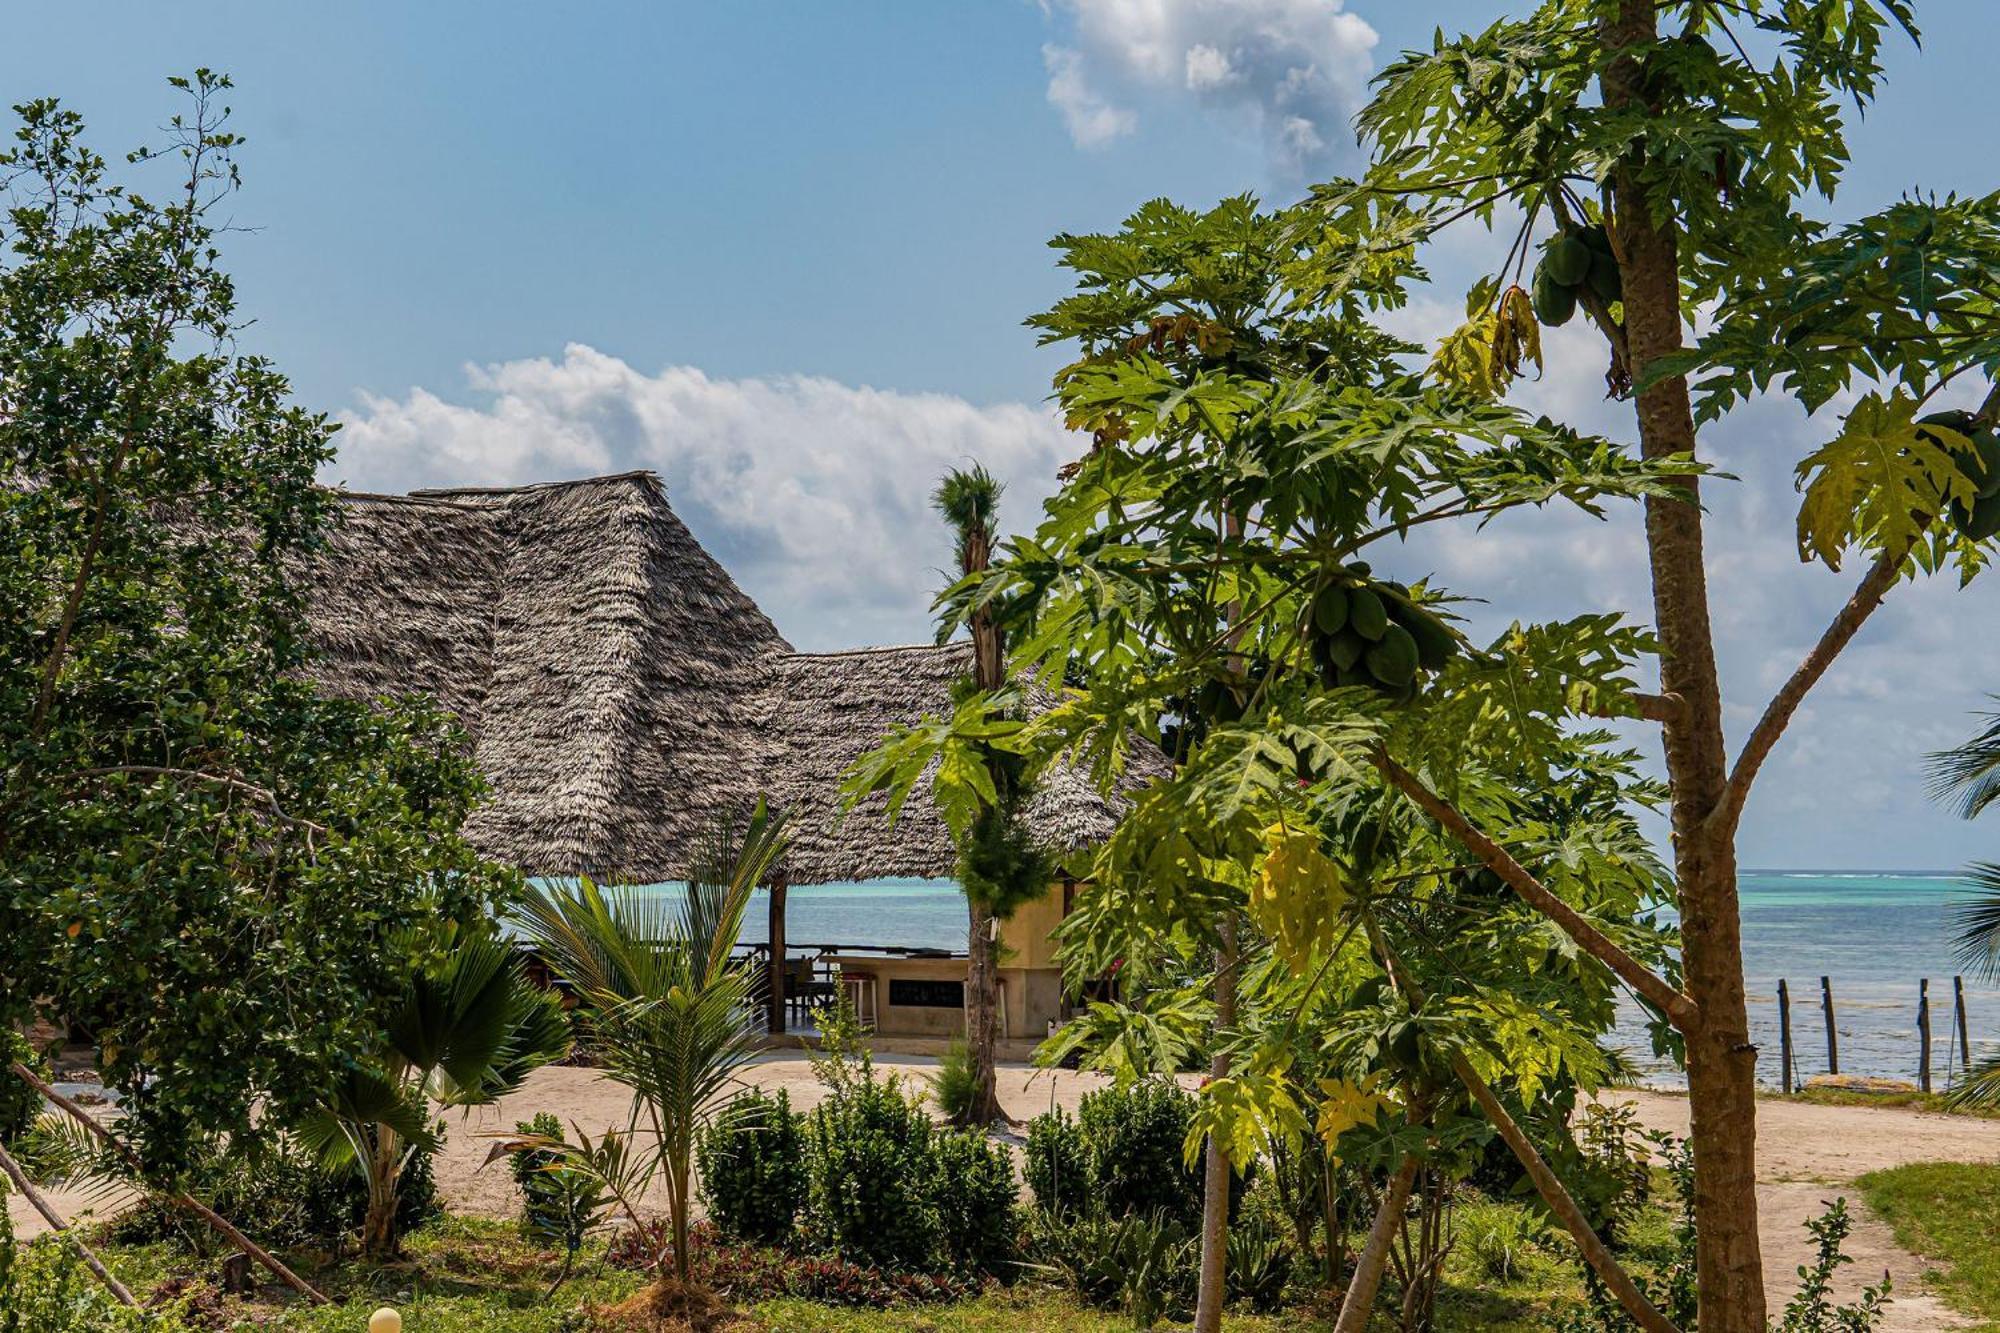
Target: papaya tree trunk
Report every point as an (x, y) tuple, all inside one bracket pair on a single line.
[(1721, 1062), (1359, 1302), (1215, 1160)]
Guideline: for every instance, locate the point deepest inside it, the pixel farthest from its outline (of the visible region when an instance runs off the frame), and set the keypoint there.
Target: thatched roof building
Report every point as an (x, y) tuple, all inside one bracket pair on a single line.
[(621, 691)]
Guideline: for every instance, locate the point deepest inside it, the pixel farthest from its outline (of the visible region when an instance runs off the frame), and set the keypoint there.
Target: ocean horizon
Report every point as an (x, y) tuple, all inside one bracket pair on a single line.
[(1875, 934)]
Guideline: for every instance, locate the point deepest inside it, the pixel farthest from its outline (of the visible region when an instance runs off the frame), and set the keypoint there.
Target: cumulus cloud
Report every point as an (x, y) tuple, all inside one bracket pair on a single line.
[(1292, 70), (814, 494)]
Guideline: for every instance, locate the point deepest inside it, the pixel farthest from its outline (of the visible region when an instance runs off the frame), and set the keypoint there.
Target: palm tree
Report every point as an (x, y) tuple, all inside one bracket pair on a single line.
[(468, 1031), (668, 1008), (1969, 776), (1000, 868)]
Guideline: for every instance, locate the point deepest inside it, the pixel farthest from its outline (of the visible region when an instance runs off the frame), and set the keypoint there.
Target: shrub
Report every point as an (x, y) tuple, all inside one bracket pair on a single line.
[(1143, 1265), (559, 1201), (976, 1198), (45, 1288), (868, 1150), (952, 1085), (1133, 1138), (753, 1168), (1498, 1236), (19, 1103), (278, 1195), (1057, 1164), (1257, 1266), (749, 1273)]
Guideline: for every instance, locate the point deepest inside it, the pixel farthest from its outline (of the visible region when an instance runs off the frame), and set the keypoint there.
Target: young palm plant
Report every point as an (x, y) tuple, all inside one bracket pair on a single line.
[(469, 1030), (669, 1010), (1969, 776), (1000, 866)]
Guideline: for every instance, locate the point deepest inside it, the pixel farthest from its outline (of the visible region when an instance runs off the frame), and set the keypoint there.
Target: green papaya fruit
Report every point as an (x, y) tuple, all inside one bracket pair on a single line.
[(1980, 464), (1354, 675), (1553, 303), (1366, 613), (1360, 569), (1596, 239), (1986, 443), (1330, 609), (1982, 521), (1567, 259), (1345, 648), (1605, 280), (1436, 644), (1393, 661)]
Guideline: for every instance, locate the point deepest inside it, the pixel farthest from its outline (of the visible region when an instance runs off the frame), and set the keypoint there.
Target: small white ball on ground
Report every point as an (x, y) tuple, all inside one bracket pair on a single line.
[(385, 1320)]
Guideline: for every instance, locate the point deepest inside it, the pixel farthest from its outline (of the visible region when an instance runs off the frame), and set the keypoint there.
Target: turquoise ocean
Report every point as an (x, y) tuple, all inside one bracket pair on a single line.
[(1875, 935)]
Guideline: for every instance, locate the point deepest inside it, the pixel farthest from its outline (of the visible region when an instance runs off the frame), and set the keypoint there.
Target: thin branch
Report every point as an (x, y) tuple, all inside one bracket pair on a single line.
[(1547, 1183), (54, 1219), (225, 780), (1663, 708), (1778, 714), (1679, 1009), (183, 1199)]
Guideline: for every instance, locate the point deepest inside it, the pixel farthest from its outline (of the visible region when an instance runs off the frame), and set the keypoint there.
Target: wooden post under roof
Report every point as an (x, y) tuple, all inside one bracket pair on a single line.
[(774, 1018)]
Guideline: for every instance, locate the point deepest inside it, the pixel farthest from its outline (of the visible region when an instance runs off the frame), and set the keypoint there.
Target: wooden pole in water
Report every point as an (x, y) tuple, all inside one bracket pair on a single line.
[(1784, 1036), (1958, 1017), (1924, 1034), (1832, 1038)]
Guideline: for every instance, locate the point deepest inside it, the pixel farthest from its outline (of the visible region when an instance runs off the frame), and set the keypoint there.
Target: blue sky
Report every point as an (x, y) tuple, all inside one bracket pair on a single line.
[(781, 252)]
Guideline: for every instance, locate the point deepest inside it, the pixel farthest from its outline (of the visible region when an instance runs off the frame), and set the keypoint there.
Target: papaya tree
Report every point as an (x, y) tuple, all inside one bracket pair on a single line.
[(1202, 580), (1667, 159)]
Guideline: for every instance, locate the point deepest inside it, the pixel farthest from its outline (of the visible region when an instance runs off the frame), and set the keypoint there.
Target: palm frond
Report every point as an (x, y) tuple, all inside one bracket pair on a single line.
[(1976, 923), (1969, 773)]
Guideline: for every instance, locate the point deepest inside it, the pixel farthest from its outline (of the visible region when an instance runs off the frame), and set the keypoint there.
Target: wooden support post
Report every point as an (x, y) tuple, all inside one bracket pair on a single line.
[(1924, 1034), (774, 1018), (1832, 1037), (41, 1204), (1784, 1037), (1958, 1018), (183, 1199)]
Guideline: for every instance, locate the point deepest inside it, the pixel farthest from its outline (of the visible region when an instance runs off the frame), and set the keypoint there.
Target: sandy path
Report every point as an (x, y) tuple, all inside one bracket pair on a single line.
[(1805, 1155)]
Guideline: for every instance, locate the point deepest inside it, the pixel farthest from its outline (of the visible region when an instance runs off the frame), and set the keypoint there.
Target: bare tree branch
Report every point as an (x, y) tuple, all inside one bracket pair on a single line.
[(1662, 708), (1679, 1009), (13, 1171)]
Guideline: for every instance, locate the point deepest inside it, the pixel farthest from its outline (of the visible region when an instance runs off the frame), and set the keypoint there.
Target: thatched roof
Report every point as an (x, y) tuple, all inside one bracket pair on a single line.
[(620, 690)]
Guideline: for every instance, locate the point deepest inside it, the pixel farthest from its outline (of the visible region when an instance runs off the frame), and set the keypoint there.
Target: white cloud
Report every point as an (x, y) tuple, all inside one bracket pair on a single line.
[(814, 494), (1092, 121), (1293, 70)]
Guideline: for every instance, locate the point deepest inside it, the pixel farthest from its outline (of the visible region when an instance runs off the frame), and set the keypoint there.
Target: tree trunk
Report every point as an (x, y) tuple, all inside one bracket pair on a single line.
[(1359, 1302), (982, 1017), (1215, 1161), (1721, 1062), (378, 1226)]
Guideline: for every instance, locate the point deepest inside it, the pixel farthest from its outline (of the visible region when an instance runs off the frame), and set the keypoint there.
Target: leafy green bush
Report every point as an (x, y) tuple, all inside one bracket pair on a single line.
[(1133, 1138), (1257, 1266), (45, 1288), (1144, 1265), (753, 1168), (559, 1202), (1057, 1164), (952, 1085), (278, 1194), (977, 1200), (1499, 1236), (868, 1149), (19, 1103)]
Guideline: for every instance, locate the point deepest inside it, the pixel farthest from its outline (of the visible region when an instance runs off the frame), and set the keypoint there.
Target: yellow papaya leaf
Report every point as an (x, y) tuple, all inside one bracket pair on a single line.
[(1298, 893), (1464, 357), (1346, 1105)]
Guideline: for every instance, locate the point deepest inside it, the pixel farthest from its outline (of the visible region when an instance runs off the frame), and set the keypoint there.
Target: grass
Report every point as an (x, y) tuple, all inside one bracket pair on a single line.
[(1910, 1099), (1950, 1213), (467, 1275)]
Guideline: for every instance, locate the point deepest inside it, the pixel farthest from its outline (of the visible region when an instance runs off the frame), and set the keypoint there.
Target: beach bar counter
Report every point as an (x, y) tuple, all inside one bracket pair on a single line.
[(921, 992)]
